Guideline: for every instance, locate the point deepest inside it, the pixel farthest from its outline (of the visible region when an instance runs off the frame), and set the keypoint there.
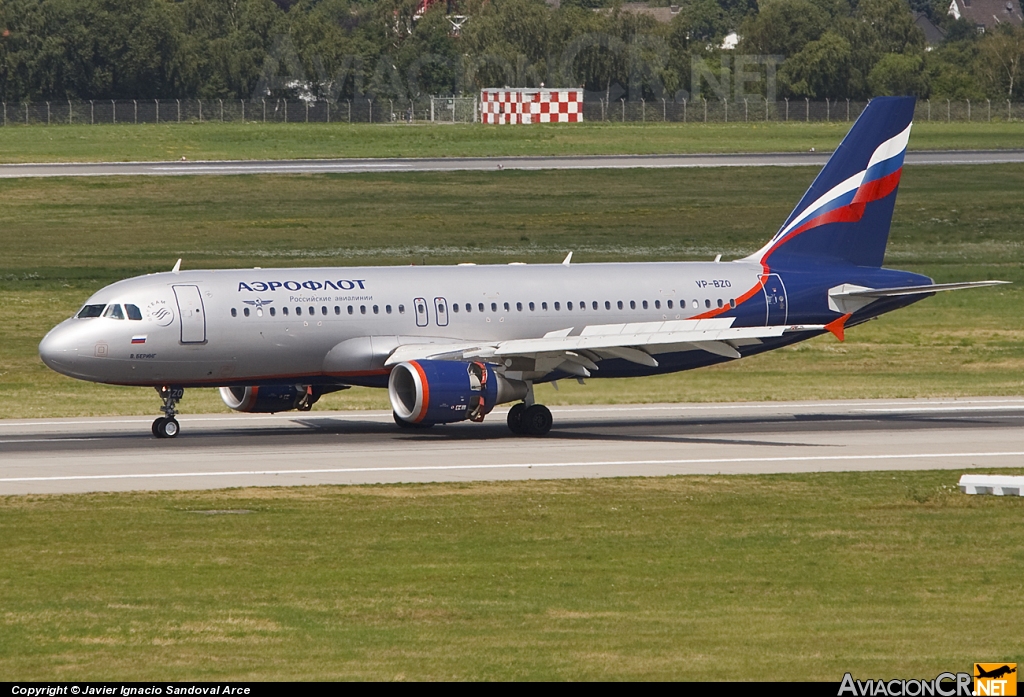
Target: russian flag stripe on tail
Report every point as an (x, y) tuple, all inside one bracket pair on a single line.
[(845, 215)]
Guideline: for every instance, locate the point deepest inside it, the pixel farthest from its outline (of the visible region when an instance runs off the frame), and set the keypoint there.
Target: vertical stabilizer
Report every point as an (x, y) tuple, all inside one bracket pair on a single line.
[(845, 216)]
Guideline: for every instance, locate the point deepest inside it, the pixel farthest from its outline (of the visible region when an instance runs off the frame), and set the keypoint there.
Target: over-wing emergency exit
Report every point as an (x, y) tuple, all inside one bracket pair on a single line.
[(450, 343)]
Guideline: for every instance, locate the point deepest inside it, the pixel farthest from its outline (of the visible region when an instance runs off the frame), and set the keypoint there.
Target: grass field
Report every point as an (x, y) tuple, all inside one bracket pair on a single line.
[(231, 141), (63, 239), (765, 578)]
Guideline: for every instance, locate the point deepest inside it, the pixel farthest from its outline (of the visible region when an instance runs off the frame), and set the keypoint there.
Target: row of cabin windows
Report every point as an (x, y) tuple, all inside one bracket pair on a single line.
[(582, 305), (311, 310)]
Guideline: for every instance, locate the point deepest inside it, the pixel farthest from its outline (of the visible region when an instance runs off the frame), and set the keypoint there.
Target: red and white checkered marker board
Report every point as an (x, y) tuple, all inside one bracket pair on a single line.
[(530, 105)]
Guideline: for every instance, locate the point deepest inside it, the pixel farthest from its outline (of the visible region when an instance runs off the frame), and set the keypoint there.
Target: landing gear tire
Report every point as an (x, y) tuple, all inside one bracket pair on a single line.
[(536, 420), (515, 419), (165, 427), (408, 424)]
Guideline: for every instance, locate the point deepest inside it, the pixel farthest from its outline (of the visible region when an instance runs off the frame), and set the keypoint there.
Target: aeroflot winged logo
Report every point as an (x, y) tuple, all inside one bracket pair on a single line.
[(263, 286)]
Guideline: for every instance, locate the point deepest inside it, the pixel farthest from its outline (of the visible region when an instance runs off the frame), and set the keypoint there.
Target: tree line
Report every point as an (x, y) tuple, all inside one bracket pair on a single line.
[(343, 49)]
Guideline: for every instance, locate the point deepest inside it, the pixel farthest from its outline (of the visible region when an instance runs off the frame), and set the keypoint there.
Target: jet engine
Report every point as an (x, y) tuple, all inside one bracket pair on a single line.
[(268, 399), (437, 392)]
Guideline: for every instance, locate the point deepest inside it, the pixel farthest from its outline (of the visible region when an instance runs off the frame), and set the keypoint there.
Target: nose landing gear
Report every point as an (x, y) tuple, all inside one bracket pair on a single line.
[(167, 426)]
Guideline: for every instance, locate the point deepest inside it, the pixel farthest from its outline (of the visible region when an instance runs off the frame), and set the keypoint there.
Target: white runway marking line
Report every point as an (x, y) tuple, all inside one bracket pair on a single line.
[(445, 468)]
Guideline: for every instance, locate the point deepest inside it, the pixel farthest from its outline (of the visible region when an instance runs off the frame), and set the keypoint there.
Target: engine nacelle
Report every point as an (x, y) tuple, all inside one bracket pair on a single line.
[(268, 399), (438, 392)]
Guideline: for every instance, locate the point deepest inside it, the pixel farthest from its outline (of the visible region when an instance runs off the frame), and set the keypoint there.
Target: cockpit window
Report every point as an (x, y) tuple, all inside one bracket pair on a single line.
[(114, 312), (133, 311), (90, 311)]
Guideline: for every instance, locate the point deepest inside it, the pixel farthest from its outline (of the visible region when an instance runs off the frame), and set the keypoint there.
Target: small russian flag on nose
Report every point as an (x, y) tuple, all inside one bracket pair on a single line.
[(138, 339)]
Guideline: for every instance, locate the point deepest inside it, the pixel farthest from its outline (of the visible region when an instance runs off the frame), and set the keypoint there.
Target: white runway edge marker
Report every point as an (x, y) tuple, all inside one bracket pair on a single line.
[(438, 468), (997, 485)]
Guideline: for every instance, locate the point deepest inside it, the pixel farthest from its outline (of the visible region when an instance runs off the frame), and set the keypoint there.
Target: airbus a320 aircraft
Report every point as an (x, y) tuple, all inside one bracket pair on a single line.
[(450, 343)]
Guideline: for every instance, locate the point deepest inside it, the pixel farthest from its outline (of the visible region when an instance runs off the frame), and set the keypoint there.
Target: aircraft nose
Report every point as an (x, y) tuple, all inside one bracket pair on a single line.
[(57, 350)]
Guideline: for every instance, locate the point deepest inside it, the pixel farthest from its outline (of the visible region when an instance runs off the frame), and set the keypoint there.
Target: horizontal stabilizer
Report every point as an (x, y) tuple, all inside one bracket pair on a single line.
[(916, 290), (849, 298)]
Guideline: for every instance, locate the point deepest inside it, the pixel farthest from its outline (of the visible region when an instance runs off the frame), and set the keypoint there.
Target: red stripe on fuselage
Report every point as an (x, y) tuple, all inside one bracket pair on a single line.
[(426, 391)]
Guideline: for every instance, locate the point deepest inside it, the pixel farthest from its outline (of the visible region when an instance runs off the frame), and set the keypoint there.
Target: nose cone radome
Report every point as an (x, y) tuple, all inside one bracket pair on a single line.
[(58, 349)]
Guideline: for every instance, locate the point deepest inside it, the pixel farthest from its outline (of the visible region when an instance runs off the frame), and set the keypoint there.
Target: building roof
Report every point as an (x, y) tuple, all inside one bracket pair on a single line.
[(662, 14), (933, 35), (987, 13)]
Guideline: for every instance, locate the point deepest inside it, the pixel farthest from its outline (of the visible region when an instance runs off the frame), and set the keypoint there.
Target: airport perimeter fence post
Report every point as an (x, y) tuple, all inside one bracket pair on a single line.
[(242, 101), (787, 108), (178, 102), (664, 109), (135, 105), (989, 101), (766, 109), (947, 111), (705, 109), (307, 112), (431, 109), (370, 118), (200, 111), (47, 113), (848, 109), (725, 103), (807, 105), (157, 110), (328, 103), (828, 110), (71, 114), (221, 110), (286, 110), (643, 110), (5, 113), (623, 100), (264, 110), (744, 109), (684, 111), (968, 111), (349, 103), (113, 110), (92, 113), (929, 108), (1009, 114)]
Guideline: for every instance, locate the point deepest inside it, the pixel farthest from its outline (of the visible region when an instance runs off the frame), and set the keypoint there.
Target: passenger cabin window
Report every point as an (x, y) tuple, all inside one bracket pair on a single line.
[(506, 307), (312, 310), (133, 312), (337, 310), (669, 303), (557, 307), (480, 306), (245, 311), (707, 302), (234, 312), (620, 304), (273, 312), (362, 309), (632, 304), (113, 312), (387, 309), (568, 306), (544, 306), (90, 311), (657, 304), (284, 311), (594, 305), (401, 309), (719, 302), (494, 307), (695, 305), (376, 309), (298, 311), (469, 308), (519, 307), (323, 310), (608, 305), (455, 308), (351, 309), (645, 304), (532, 306)]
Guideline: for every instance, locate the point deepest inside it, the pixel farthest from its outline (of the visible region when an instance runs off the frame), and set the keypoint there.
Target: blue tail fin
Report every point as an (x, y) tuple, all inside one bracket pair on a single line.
[(845, 216)]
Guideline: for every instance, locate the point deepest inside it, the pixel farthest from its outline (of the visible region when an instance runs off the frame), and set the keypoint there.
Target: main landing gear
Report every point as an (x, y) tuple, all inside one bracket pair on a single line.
[(533, 420), (167, 426)]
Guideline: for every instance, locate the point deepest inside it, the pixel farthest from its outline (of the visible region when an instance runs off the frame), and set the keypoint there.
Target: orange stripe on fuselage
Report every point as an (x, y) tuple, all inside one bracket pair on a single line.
[(426, 391), (739, 301)]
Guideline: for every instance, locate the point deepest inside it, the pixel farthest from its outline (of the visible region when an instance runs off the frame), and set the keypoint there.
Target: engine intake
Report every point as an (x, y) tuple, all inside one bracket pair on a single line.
[(268, 399), (437, 392)]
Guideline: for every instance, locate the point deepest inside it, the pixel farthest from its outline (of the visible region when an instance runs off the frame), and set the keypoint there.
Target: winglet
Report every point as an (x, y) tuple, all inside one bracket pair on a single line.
[(177, 266), (567, 259), (838, 326)]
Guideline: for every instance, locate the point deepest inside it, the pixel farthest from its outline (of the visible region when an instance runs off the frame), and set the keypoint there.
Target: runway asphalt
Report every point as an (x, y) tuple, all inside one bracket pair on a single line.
[(353, 166), (232, 450)]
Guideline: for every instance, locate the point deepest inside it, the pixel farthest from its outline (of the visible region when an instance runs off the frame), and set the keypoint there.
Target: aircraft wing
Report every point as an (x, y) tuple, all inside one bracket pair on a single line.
[(578, 353)]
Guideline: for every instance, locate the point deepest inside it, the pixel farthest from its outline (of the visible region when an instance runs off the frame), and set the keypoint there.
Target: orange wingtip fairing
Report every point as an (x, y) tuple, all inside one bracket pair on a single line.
[(838, 327)]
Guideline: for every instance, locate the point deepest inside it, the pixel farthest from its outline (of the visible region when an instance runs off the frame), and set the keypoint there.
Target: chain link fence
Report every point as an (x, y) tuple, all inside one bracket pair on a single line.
[(467, 110)]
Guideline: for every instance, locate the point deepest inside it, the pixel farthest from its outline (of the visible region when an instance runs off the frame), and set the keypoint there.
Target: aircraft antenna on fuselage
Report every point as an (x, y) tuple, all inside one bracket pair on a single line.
[(568, 258), (177, 266)]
